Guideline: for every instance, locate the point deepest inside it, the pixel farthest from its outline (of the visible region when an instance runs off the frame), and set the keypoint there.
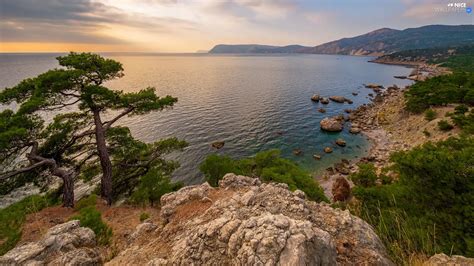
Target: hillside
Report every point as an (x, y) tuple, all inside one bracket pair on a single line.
[(255, 48), (378, 42), (455, 58)]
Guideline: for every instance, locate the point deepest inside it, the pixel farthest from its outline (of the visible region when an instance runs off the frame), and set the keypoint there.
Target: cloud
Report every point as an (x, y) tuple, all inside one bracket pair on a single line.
[(78, 21)]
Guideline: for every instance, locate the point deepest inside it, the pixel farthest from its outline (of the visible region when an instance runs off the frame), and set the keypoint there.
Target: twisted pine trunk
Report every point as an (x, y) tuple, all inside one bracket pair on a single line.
[(105, 163), (65, 175)]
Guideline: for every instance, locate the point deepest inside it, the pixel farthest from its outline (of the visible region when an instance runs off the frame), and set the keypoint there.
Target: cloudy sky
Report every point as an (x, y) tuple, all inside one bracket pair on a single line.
[(191, 25)]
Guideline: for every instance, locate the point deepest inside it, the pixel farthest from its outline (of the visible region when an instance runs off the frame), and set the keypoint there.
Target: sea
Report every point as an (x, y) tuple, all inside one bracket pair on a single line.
[(250, 102)]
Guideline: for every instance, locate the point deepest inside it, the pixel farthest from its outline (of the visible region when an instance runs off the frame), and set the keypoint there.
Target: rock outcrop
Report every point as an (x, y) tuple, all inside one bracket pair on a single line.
[(245, 222), (443, 259), (63, 244)]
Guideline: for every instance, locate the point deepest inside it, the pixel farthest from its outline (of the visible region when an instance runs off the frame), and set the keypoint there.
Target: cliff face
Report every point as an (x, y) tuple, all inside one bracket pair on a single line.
[(244, 222)]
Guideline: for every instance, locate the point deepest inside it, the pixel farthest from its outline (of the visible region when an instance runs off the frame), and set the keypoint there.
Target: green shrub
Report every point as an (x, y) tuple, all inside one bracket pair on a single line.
[(444, 125), (13, 217), (152, 186), (366, 176), (461, 109), (429, 209), (144, 216), (88, 201), (465, 121), (267, 165), (430, 114), (90, 217), (215, 167)]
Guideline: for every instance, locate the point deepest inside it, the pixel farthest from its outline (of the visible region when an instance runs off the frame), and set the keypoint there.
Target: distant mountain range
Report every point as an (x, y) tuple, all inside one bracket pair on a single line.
[(379, 42), (256, 49)]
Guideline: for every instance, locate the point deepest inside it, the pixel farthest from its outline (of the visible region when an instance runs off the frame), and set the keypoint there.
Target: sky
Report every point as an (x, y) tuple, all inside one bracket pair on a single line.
[(193, 25)]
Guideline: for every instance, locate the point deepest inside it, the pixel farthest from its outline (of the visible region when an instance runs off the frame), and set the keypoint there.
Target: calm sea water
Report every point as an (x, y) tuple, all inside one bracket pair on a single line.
[(252, 102)]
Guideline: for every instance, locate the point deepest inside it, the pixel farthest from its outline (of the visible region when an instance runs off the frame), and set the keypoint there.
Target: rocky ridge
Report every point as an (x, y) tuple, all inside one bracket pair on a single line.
[(63, 244), (247, 222)]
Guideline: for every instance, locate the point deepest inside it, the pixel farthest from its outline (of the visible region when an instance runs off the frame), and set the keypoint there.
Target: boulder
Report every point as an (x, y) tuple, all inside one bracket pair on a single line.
[(250, 223), (332, 124), (341, 142), (373, 86), (341, 190), (327, 149), (63, 244), (354, 130), (297, 152), (324, 100), (218, 144), (315, 98), (349, 101), (443, 259), (317, 156), (338, 99), (400, 77)]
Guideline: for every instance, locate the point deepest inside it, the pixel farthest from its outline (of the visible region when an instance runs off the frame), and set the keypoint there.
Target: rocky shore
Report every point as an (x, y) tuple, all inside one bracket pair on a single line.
[(389, 128)]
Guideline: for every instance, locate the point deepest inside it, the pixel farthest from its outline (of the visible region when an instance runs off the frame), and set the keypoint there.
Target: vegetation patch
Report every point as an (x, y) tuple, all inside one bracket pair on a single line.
[(90, 217), (13, 217), (441, 90), (269, 166), (429, 208)]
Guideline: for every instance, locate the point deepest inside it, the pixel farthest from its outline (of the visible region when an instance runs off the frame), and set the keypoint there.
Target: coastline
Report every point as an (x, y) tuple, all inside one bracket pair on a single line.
[(388, 128)]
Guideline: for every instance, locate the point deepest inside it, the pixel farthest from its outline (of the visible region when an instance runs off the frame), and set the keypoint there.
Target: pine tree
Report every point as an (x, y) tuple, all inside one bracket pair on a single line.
[(77, 140)]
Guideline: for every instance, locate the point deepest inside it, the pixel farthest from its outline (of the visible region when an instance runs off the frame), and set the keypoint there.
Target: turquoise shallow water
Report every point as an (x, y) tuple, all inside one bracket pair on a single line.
[(252, 102)]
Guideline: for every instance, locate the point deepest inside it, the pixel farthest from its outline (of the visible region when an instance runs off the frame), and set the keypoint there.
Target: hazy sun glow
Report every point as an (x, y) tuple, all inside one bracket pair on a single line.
[(191, 25)]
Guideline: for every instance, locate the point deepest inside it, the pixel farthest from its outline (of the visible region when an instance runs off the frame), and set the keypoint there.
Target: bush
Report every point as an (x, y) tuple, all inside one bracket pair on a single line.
[(152, 186), (215, 167), (366, 176), (88, 201), (429, 209), (267, 165), (465, 121), (144, 216), (13, 217), (444, 125), (90, 217), (461, 109), (430, 114)]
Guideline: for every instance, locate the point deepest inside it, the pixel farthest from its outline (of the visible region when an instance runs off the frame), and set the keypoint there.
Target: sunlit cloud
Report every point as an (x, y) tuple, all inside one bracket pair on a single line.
[(190, 25)]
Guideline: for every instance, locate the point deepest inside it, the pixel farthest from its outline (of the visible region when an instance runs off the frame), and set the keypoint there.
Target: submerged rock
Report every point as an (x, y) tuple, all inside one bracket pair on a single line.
[(327, 149), (218, 144), (250, 223), (322, 110), (341, 142), (317, 156), (324, 100), (297, 152)]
